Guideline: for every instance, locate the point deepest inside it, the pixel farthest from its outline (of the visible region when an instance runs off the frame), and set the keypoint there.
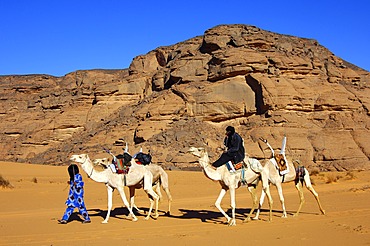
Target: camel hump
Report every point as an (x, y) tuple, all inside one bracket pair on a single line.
[(255, 165)]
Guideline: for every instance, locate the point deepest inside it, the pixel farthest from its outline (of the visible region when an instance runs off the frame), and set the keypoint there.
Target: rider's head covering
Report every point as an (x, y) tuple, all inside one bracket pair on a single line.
[(230, 130)]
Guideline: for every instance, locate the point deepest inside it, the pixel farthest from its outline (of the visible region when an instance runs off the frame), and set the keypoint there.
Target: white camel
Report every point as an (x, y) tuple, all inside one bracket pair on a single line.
[(160, 179), (277, 178), (137, 176), (232, 181)]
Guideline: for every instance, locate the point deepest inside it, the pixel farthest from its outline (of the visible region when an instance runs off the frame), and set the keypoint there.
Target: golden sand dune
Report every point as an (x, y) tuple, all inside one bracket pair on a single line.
[(29, 213)]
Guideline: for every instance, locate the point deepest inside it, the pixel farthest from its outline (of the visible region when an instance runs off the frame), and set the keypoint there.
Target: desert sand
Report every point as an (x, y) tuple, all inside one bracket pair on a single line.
[(29, 212)]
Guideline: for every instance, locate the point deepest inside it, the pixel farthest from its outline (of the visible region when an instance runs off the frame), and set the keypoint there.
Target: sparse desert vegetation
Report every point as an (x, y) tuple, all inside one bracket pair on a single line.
[(332, 178), (5, 183)]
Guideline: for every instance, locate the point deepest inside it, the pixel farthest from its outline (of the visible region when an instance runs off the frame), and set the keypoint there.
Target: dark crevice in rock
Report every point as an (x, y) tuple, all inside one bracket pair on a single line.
[(256, 87), (161, 59), (171, 81), (208, 48), (232, 43)]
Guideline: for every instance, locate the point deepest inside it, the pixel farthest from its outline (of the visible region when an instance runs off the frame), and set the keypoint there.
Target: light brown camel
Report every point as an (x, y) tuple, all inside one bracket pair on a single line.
[(138, 176), (160, 179), (232, 181), (277, 179)]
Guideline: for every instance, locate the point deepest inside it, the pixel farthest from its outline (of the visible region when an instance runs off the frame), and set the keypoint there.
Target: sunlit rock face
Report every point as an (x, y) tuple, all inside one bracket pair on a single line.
[(265, 84)]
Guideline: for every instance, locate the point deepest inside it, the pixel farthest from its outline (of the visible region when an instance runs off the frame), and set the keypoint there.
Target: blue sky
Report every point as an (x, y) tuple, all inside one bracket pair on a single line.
[(59, 37)]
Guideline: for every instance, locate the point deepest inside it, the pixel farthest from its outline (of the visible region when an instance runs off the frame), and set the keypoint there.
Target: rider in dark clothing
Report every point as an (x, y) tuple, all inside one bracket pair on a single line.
[(235, 149)]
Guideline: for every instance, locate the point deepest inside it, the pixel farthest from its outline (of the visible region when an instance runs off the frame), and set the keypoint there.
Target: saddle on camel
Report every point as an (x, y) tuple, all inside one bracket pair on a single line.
[(233, 167), (281, 163), (121, 163)]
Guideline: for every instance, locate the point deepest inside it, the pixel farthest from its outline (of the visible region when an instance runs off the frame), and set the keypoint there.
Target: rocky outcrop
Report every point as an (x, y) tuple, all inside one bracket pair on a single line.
[(265, 84)]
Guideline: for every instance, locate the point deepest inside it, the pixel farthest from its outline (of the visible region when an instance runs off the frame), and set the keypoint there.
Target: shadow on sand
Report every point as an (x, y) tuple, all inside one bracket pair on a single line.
[(206, 216)]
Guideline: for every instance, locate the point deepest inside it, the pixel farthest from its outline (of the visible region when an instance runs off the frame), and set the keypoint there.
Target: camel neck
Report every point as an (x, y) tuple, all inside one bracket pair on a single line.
[(210, 172), (97, 176)]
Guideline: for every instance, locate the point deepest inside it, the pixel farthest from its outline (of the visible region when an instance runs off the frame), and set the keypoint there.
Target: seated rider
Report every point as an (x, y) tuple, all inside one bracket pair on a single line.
[(234, 148)]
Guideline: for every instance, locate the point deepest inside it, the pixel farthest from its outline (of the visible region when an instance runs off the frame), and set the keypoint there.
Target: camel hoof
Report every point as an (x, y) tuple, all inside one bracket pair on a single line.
[(134, 219), (104, 222), (246, 220), (323, 212), (232, 223), (255, 218)]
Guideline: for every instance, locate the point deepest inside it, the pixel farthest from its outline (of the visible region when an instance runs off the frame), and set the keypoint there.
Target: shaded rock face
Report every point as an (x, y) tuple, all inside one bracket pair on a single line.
[(264, 84)]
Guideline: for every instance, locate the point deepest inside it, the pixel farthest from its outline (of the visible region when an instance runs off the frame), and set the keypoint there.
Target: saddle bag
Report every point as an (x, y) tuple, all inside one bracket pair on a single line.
[(143, 159)]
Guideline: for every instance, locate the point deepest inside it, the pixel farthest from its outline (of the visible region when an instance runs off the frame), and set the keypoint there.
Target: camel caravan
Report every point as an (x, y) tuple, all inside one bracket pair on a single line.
[(127, 173), (138, 172), (276, 170)]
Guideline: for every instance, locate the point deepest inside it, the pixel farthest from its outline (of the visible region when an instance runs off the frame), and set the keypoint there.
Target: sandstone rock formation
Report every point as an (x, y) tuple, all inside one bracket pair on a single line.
[(265, 84)]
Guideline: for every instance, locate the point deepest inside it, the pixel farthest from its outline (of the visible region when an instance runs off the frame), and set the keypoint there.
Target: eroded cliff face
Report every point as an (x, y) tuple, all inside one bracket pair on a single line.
[(265, 84)]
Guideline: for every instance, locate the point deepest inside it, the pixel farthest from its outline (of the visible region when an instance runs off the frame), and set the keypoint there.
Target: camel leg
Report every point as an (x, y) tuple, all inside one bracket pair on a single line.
[(157, 190), (262, 198), (269, 197), (132, 200), (301, 197), (265, 192), (124, 199), (169, 197), (150, 207), (307, 181), (233, 205), (282, 200), (110, 193), (164, 184), (252, 190), (153, 197), (218, 204), (314, 193)]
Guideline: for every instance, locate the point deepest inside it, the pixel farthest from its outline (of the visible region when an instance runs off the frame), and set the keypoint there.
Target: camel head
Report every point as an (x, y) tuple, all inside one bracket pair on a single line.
[(79, 158), (103, 162), (197, 151)]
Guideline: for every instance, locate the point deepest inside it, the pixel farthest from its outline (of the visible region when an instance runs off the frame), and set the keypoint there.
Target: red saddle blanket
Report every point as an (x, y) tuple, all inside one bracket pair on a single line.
[(122, 168), (238, 166), (232, 167)]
